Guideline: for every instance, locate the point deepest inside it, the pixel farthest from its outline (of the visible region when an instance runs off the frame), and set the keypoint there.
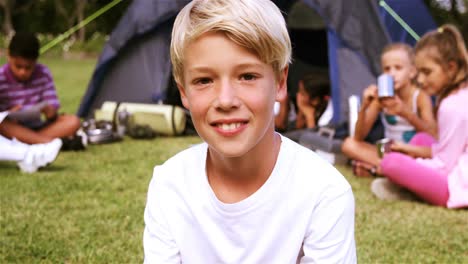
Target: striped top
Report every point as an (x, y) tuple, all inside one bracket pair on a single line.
[(27, 94)]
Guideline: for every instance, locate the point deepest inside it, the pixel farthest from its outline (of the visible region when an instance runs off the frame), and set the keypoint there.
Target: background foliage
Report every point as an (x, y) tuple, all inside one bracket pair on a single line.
[(50, 18)]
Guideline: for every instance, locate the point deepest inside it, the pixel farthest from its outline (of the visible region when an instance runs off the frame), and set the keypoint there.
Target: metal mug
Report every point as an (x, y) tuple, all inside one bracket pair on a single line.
[(385, 86), (383, 146)]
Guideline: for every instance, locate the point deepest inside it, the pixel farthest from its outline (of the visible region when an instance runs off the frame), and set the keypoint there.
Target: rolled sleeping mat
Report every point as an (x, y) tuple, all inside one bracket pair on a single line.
[(169, 120)]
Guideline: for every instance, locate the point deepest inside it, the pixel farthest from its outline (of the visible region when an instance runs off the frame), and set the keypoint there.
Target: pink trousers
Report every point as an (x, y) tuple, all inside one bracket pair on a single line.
[(427, 183)]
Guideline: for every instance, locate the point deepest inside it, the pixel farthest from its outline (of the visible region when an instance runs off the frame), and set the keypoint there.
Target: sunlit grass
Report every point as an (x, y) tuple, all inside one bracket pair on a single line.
[(88, 206)]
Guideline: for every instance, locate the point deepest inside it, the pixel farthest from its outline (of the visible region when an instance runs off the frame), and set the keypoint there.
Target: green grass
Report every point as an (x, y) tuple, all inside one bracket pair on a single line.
[(88, 206)]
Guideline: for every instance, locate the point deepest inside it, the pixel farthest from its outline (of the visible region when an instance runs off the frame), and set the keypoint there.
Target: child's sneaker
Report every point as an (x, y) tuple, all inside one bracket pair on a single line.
[(29, 163), (48, 152), (40, 155), (77, 142), (384, 189), (84, 137)]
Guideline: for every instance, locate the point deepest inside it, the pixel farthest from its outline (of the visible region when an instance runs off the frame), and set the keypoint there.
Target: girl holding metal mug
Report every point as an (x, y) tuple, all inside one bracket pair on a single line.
[(404, 109)]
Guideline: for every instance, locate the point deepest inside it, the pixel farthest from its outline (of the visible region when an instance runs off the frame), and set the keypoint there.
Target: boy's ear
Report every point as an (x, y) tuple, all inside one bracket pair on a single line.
[(183, 96), (282, 88)]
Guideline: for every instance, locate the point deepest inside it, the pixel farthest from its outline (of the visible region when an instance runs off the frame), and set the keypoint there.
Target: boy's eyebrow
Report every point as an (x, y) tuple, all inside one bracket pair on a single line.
[(251, 65), (199, 69), (202, 68)]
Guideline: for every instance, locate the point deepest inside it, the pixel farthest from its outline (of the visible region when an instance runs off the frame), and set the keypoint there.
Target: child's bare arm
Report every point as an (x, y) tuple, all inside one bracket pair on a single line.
[(423, 121), (368, 113), (306, 110), (412, 150), (300, 120), (426, 112)]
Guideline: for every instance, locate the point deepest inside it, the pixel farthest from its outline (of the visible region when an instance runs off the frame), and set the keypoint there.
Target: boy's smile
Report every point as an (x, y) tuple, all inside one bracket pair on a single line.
[(230, 93)]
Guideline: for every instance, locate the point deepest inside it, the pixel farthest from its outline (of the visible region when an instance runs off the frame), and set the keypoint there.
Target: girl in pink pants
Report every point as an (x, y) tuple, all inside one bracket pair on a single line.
[(440, 173), (428, 184)]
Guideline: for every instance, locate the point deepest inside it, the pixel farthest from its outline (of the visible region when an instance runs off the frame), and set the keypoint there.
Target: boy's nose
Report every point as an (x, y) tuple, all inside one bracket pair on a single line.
[(23, 74), (227, 97)]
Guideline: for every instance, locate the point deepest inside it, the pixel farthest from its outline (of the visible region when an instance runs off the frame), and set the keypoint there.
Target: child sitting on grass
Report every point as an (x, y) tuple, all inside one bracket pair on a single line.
[(246, 195), (29, 158), (440, 175), (26, 84), (409, 111)]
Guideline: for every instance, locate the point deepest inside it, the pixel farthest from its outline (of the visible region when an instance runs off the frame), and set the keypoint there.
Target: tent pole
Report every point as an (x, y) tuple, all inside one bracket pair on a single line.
[(83, 23), (399, 19)]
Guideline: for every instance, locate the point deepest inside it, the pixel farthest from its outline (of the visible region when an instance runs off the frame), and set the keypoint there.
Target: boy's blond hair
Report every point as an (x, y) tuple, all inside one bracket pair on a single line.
[(257, 25)]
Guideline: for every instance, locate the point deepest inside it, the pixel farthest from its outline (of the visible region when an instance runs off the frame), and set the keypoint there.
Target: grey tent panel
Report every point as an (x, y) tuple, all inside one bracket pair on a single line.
[(140, 74)]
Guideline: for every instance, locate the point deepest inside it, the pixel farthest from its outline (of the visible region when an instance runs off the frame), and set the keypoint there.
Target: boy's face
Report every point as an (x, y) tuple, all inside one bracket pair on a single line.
[(21, 68), (230, 94), (397, 63)]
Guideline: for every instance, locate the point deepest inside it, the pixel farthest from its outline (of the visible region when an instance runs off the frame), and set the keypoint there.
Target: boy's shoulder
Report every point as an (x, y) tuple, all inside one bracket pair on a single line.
[(42, 69), (3, 69), (187, 160), (310, 169)]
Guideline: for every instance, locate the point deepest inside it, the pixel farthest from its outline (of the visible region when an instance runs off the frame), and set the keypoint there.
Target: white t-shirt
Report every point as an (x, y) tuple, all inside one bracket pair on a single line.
[(303, 213)]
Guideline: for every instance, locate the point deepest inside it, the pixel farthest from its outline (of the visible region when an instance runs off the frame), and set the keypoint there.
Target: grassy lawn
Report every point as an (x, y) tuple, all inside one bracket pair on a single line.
[(88, 206)]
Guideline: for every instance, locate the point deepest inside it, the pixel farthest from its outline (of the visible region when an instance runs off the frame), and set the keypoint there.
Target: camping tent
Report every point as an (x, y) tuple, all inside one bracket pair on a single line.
[(135, 65)]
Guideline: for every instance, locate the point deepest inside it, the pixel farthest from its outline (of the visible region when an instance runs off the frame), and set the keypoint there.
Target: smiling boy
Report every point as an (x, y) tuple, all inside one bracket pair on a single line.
[(247, 194)]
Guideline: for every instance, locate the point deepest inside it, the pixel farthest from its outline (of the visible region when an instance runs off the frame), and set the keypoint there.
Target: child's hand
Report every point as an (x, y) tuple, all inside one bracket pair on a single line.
[(303, 103), (370, 93), (49, 112), (403, 148), (398, 146), (393, 106), (15, 108)]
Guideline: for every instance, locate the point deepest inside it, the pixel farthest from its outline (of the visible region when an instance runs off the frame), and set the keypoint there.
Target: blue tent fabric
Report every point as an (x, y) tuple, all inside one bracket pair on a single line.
[(141, 19), (414, 13), (355, 39), (135, 65)]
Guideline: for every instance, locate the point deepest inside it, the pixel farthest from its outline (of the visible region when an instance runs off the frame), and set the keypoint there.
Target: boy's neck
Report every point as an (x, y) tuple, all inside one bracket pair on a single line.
[(234, 179)]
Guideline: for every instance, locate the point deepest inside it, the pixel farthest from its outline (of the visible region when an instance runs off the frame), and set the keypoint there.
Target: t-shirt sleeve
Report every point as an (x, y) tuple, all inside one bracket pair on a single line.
[(49, 93), (452, 124), (3, 89), (330, 236), (158, 243)]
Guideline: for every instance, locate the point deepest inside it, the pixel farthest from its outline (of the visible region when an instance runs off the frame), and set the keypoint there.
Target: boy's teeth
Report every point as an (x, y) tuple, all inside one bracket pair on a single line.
[(230, 126)]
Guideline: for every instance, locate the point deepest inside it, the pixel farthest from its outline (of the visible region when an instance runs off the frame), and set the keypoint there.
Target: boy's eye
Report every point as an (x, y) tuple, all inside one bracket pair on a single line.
[(202, 81), (248, 77)]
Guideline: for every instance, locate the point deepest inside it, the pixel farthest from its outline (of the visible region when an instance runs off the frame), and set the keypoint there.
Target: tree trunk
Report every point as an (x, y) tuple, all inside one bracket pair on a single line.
[(80, 8), (7, 6)]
